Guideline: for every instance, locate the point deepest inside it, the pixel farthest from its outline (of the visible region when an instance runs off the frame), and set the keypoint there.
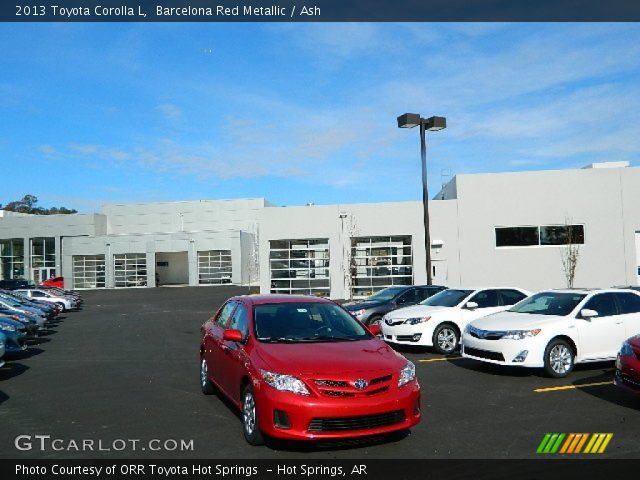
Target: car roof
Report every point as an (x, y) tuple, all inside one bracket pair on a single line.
[(279, 298), (586, 291)]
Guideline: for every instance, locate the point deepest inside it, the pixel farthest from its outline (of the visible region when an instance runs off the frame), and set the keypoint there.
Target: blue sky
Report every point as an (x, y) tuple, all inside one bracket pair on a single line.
[(297, 113)]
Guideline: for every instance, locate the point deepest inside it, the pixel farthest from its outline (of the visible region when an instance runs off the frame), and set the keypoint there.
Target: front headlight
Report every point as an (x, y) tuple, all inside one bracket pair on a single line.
[(7, 328), (520, 334), (284, 383), (626, 350), (416, 320), (407, 374), (467, 329)]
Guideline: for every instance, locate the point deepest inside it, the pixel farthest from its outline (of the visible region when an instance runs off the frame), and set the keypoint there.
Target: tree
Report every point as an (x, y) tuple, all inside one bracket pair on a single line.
[(570, 253), (349, 268), (28, 205)]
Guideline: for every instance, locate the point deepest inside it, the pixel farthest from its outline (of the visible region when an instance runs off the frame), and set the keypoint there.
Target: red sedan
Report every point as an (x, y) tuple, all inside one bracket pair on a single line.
[(628, 365), (303, 368)]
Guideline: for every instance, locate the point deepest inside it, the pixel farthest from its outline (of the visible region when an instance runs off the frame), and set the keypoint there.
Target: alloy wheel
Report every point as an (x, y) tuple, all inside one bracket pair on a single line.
[(249, 413), (560, 359), (203, 373), (447, 339)]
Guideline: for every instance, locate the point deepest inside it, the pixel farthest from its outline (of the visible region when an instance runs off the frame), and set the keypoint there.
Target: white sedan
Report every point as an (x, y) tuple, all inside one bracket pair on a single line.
[(556, 329), (438, 321)]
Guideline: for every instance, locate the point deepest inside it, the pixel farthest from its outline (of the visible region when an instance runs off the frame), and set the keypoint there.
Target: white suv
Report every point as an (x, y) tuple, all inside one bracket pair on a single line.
[(556, 329), (438, 320)]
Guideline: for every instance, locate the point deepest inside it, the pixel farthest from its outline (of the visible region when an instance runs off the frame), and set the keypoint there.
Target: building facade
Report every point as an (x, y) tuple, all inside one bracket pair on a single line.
[(486, 229)]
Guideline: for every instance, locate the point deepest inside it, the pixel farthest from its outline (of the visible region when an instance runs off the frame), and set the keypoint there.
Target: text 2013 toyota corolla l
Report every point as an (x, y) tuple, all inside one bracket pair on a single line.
[(302, 368)]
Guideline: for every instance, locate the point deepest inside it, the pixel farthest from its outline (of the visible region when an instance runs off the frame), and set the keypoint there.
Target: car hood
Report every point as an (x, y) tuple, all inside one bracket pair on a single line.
[(417, 311), (353, 306), (329, 358), (514, 321)]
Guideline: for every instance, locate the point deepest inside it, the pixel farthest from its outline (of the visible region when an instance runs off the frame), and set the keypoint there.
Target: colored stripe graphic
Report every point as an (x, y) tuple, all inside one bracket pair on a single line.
[(573, 443)]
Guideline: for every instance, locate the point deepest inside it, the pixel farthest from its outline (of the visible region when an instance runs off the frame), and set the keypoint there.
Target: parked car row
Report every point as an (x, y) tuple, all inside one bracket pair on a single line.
[(26, 313), (301, 367)]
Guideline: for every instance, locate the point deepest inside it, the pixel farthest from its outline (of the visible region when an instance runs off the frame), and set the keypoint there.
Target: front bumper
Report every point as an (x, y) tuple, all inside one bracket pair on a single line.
[(15, 343), (503, 351), (419, 334), (628, 374), (314, 417)]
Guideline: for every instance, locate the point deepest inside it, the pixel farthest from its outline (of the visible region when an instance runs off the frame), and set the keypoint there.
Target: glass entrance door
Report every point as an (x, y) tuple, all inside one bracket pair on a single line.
[(42, 274)]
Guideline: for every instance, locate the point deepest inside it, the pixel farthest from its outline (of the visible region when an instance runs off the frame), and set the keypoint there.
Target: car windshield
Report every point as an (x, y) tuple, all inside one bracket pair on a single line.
[(447, 298), (306, 322), (385, 295), (549, 303)]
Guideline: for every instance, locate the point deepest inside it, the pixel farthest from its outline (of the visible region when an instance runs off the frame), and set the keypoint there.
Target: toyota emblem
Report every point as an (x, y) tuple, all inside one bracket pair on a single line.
[(361, 384)]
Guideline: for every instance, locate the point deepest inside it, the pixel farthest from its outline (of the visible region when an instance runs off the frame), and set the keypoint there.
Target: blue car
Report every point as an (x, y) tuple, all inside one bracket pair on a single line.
[(32, 324), (48, 310), (15, 335), (2, 342), (15, 305)]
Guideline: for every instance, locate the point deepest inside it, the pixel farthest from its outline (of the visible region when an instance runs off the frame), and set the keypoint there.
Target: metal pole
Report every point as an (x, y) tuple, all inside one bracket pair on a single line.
[(425, 202)]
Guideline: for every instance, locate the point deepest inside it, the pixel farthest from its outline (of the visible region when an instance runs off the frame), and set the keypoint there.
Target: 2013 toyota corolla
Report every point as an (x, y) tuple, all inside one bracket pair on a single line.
[(302, 368)]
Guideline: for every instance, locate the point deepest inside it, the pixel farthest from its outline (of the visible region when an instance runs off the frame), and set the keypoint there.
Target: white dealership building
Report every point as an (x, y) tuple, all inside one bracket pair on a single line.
[(496, 228)]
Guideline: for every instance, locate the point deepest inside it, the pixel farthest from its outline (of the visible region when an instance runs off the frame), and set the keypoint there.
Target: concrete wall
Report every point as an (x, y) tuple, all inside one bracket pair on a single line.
[(604, 200), (164, 217), (110, 245), (363, 220)]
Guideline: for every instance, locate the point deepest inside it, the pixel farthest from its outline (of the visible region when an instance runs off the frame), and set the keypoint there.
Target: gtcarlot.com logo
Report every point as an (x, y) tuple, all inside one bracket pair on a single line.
[(562, 443)]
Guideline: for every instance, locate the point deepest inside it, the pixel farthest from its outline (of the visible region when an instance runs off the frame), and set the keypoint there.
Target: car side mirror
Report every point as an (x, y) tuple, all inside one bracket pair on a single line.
[(232, 335), (588, 314), (375, 329), (471, 305)]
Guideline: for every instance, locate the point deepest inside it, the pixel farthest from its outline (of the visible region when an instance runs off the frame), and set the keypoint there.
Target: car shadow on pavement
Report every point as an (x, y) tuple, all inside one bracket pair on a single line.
[(12, 369), (492, 369), (608, 392), (28, 353), (3, 397)]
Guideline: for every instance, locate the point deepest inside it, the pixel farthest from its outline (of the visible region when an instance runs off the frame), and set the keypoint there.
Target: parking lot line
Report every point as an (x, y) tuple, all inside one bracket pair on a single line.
[(571, 387), (441, 359)]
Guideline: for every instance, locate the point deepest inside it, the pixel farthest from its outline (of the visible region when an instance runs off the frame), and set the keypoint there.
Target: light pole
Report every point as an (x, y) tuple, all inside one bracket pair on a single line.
[(433, 124)]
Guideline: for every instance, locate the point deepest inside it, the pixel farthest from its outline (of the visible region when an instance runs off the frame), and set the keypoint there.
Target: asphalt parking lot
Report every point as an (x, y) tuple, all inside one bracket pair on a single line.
[(126, 367)]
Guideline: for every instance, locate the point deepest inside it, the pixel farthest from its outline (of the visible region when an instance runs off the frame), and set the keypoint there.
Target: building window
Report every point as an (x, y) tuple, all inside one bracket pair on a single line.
[(380, 262), (43, 252), (11, 258), (88, 271), (299, 266), (561, 234), (130, 270), (539, 235), (214, 267), (517, 236)]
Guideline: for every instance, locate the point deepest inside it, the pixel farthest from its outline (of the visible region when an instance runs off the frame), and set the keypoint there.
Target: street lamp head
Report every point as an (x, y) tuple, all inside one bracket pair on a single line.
[(433, 124), (409, 120)]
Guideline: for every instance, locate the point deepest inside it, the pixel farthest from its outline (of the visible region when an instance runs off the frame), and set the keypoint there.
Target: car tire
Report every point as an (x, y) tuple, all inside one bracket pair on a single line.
[(205, 384), (61, 305), (375, 320), (446, 339), (250, 428), (558, 358)]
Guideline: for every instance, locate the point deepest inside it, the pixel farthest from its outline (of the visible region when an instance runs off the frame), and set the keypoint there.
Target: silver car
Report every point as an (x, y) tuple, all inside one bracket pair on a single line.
[(46, 296)]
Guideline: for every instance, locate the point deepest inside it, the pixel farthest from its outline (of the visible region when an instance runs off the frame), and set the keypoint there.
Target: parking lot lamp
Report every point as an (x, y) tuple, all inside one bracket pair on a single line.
[(432, 124)]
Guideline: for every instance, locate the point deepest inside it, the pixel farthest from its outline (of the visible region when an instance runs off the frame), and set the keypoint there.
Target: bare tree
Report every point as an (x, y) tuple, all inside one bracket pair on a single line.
[(570, 253), (349, 268)]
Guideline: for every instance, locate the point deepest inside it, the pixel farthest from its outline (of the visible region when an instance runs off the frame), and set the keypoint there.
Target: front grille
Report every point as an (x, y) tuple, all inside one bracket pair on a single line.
[(486, 334), (476, 352), (331, 383), (404, 338), (338, 393), (393, 322), (627, 380), (364, 422), (375, 381), (346, 389)]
